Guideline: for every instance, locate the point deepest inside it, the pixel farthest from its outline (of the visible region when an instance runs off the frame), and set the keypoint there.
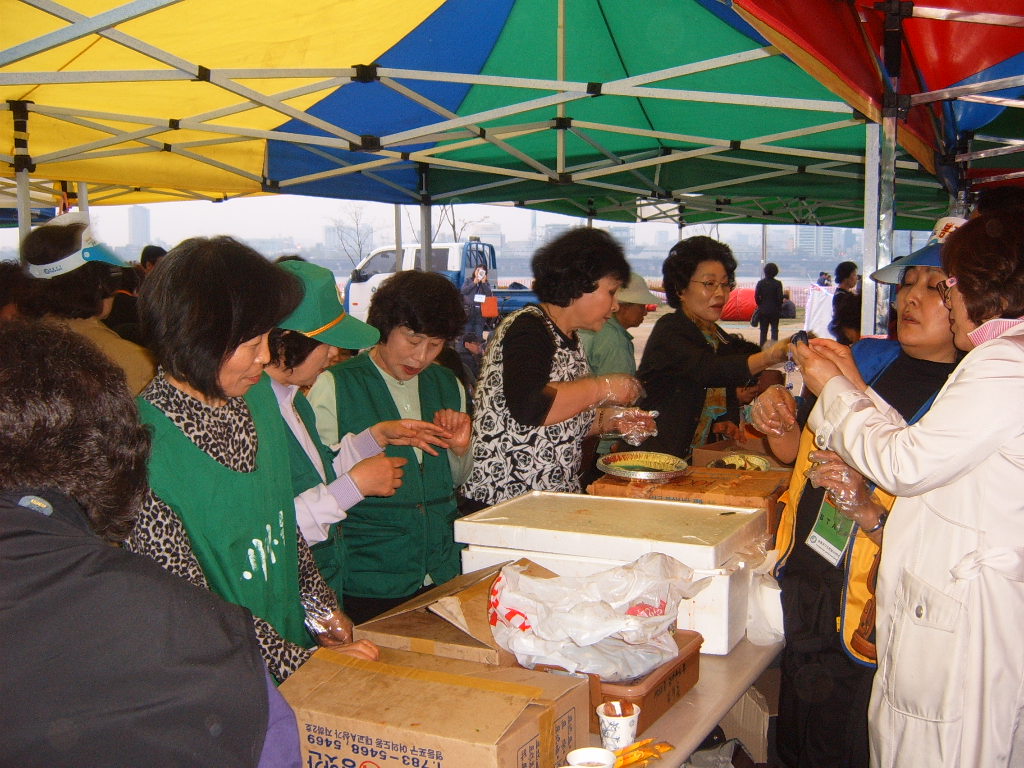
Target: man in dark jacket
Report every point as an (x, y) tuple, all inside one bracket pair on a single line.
[(108, 660)]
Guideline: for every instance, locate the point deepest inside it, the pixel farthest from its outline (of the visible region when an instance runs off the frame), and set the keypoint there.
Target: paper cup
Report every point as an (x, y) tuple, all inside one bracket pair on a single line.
[(592, 757), (617, 731)]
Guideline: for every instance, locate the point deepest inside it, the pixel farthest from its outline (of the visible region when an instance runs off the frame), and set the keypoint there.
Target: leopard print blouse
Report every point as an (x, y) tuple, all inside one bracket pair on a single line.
[(228, 435)]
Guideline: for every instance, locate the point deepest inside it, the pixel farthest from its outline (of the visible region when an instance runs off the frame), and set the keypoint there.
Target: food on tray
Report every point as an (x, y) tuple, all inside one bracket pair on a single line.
[(642, 465), (745, 461)]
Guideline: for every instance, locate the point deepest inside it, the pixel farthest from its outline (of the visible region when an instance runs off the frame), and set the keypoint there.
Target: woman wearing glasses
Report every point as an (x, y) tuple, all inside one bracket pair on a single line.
[(690, 366), (950, 595)]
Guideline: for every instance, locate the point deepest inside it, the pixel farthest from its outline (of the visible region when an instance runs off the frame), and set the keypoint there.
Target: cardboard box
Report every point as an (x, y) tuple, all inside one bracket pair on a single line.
[(718, 612), (449, 620), (728, 487), (758, 446), (748, 722), (619, 529), (427, 712), (702, 485)]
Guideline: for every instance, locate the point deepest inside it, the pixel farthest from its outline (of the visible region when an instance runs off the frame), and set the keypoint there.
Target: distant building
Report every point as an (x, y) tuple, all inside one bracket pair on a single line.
[(138, 229)]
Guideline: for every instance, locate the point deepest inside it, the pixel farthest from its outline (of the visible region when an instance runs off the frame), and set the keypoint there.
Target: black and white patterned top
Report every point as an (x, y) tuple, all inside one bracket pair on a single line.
[(510, 457), (227, 434)]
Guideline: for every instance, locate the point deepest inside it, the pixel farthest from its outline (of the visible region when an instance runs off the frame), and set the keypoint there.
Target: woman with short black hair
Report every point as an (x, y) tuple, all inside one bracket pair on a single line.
[(400, 545), (690, 366), (536, 399), (328, 480), (220, 512)]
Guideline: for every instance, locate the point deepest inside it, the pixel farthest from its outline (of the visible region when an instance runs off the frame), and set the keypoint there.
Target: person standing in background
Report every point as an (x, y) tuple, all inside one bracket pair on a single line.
[(149, 257), (845, 325), (75, 278), (610, 350), (768, 295), (475, 289)]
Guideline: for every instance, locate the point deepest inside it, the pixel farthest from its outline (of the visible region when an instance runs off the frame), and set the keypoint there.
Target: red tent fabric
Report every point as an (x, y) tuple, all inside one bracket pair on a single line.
[(740, 306)]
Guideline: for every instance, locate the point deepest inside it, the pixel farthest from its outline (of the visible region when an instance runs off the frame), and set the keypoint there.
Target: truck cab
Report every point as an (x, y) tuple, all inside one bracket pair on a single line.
[(456, 261)]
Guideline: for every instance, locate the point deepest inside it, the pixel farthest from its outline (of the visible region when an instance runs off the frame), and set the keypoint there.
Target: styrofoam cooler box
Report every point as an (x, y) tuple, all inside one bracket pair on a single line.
[(578, 535)]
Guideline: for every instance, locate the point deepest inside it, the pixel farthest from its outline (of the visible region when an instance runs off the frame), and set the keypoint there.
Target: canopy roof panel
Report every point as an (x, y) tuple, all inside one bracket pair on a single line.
[(953, 67), (583, 106)]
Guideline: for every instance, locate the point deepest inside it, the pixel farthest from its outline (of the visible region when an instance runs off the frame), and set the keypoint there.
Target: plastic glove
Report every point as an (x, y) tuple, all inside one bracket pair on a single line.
[(618, 389), (847, 488), (634, 425), (774, 411)]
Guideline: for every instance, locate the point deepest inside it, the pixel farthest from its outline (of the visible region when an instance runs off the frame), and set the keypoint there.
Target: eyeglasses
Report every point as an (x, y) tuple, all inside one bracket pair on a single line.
[(711, 286), (943, 287)]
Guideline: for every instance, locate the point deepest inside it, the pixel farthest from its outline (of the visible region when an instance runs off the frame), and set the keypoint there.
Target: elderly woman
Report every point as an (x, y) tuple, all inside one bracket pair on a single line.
[(76, 278), (536, 398), (144, 668), (828, 665), (326, 484), (690, 366), (951, 578), (220, 512), (399, 545)]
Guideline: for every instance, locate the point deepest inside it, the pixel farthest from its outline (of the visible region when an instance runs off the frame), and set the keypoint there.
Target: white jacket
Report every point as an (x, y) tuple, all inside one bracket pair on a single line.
[(949, 690)]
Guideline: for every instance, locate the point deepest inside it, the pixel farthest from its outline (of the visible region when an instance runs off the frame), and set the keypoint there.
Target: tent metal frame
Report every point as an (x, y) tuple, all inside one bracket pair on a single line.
[(155, 133)]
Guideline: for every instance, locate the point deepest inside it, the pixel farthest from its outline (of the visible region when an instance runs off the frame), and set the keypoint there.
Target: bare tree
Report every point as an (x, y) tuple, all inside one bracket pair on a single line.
[(353, 231), (443, 217)]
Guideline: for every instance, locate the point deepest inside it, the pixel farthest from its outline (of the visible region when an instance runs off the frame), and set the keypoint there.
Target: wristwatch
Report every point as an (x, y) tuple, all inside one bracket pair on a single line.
[(879, 525)]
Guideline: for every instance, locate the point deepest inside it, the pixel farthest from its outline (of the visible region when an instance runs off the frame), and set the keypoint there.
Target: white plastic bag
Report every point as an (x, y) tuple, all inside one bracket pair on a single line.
[(614, 623), (764, 605)]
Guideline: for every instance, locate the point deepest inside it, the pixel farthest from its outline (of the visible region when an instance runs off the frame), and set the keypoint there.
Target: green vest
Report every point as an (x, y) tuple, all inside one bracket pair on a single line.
[(392, 543), (329, 553), (241, 524)]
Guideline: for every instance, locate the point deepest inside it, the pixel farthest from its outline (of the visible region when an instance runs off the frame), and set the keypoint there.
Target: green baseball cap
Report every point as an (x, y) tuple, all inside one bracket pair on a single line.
[(320, 315)]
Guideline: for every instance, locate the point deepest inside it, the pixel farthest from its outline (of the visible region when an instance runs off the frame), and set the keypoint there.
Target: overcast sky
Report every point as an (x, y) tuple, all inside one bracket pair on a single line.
[(303, 218)]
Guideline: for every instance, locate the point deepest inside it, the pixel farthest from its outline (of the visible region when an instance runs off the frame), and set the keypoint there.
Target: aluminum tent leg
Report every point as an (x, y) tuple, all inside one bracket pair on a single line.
[(879, 216), (24, 204)]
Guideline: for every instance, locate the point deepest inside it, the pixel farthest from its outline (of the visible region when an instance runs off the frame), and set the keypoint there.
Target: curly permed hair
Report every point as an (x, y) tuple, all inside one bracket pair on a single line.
[(684, 258), (68, 421), (424, 302), (571, 264)]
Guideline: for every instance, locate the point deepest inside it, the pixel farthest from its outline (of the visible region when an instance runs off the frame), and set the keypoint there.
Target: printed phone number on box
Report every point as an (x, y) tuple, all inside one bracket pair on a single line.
[(367, 746)]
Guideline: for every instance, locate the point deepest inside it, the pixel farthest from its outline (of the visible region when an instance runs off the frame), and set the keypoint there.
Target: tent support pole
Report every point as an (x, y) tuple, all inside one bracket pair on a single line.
[(398, 233), (425, 226), (869, 258), (24, 205), (886, 222), (83, 197)]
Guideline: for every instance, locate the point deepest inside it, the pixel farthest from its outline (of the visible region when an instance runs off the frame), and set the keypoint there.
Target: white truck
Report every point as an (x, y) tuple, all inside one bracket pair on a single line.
[(456, 261)]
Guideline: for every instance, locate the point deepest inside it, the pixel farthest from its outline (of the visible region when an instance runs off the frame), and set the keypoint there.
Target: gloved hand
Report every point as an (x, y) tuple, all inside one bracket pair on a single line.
[(774, 411), (618, 389), (634, 425), (847, 488)]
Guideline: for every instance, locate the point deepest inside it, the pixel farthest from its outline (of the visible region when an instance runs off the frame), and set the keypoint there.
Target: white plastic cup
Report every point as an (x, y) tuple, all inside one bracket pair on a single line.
[(617, 731), (591, 757)]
